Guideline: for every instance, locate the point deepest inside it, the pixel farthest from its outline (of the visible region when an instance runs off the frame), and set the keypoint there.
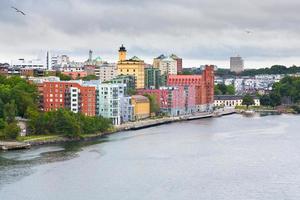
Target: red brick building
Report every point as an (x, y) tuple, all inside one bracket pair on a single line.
[(71, 95), (204, 86)]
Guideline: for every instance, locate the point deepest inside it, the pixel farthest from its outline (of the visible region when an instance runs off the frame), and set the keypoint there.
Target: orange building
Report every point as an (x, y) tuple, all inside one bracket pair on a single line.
[(71, 95)]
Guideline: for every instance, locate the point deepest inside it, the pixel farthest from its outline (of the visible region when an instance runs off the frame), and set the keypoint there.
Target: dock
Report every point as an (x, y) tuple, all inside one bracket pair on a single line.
[(13, 145)]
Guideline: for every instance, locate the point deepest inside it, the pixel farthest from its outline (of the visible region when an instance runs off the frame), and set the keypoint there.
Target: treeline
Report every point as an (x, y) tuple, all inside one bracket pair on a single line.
[(222, 89), (287, 91), (66, 123), (20, 98), (275, 69)]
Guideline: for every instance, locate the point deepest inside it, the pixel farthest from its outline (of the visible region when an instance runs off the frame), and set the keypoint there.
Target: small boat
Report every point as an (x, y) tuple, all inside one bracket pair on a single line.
[(248, 112)]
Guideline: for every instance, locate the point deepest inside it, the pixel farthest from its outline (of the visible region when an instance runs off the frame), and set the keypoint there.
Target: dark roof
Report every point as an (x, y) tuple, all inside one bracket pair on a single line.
[(122, 48), (162, 56), (231, 97)]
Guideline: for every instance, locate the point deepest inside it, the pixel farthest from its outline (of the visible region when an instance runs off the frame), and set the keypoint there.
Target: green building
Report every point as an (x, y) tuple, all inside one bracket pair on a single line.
[(152, 78), (129, 80)]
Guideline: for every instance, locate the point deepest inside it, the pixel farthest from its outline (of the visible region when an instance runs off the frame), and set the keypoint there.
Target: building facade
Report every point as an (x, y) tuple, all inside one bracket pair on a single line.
[(133, 66), (232, 100), (204, 86), (70, 95), (178, 62), (152, 78), (236, 64), (106, 71), (141, 106)]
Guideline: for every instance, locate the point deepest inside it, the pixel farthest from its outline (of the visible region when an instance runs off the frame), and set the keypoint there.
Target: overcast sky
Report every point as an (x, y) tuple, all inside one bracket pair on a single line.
[(199, 31)]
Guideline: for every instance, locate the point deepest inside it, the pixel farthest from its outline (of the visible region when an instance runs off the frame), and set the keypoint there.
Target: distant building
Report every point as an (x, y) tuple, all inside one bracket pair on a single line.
[(106, 71), (236, 64), (108, 101), (168, 64), (152, 78), (133, 66), (232, 100), (141, 106), (174, 100), (204, 86), (128, 80), (32, 64), (68, 94), (178, 62), (127, 112), (75, 74)]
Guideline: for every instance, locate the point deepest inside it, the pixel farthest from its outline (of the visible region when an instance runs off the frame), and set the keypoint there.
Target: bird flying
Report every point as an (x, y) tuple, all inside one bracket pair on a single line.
[(17, 10), (248, 31)]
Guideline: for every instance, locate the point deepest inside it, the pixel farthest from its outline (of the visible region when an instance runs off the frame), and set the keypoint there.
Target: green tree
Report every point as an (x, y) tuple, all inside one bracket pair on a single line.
[(248, 100), (90, 77), (154, 106), (275, 99), (10, 111)]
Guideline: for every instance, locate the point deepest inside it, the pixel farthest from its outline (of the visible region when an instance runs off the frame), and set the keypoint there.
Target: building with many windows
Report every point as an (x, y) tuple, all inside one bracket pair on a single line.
[(232, 100), (204, 86), (236, 64), (133, 66), (106, 71), (152, 78), (67, 94)]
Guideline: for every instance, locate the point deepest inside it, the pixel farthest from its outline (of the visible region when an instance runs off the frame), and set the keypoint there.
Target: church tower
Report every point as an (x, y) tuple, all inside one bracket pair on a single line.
[(122, 53)]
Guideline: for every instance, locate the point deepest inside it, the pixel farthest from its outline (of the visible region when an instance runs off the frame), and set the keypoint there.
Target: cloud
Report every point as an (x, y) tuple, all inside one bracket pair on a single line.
[(198, 31)]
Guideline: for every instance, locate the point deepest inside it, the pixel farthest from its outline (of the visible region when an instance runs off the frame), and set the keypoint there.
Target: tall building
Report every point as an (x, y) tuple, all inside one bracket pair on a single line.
[(204, 86), (168, 66), (178, 62), (156, 61), (106, 71), (236, 64), (70, 95), (152, 78), (129, 80), (133, 66)]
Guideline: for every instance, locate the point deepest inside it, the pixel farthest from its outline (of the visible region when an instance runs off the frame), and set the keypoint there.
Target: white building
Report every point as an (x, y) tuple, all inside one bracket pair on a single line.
[(236, 64), (111, 102), (32, 64), (232, 100), (168, 66), (106, 72)]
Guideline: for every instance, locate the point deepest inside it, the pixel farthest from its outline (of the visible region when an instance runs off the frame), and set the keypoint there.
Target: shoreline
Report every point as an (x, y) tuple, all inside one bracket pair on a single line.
[(143, 124)]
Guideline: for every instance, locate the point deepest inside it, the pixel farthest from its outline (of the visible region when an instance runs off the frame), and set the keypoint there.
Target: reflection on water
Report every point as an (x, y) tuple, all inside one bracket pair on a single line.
[(232, 157)]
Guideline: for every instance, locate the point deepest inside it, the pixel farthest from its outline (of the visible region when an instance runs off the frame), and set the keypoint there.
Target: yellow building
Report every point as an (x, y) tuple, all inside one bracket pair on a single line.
[(134, 66), (141, 106)]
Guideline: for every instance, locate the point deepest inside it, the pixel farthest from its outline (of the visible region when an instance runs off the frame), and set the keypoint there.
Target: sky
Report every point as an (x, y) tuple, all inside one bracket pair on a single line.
[(263, 32)]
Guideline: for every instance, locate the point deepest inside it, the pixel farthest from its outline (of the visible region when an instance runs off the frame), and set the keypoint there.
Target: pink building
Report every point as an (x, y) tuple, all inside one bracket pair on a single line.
[(204, 86), (175, 101)]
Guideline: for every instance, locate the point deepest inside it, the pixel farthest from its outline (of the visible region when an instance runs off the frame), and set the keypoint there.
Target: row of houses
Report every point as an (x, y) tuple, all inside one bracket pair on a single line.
[(93, 98)]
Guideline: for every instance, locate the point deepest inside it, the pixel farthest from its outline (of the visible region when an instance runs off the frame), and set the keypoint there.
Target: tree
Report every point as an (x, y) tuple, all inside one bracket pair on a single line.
[(10, 111), (265, 100), (154, 106), (90, 77), (248, 100), (275, 99)]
